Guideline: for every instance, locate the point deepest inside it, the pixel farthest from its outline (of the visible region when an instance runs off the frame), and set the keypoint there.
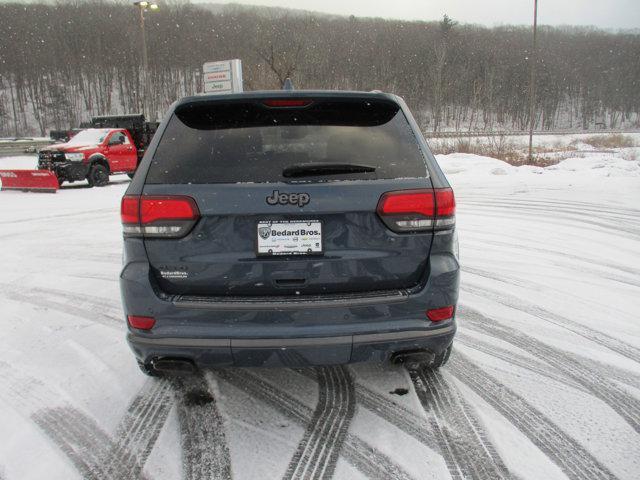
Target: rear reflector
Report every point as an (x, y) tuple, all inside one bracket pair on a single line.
[(439, 314), (141, 323), (287, 102), (418, 210), (155, 216)]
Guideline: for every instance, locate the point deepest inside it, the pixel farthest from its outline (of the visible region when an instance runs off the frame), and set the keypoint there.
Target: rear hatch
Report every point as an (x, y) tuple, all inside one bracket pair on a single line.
[(288, 196)]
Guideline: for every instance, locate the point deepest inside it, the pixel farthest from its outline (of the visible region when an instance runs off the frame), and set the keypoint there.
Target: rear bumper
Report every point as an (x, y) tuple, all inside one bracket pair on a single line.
[(299, 331), (292, 352)]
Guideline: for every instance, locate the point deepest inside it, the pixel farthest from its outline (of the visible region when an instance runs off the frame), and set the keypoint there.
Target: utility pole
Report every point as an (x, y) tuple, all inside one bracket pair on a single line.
[(145, 55), (146, 104), (532, 80)]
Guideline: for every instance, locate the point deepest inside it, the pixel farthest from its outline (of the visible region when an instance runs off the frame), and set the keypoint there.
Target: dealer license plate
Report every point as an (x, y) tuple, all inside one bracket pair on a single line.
[(289, 237)]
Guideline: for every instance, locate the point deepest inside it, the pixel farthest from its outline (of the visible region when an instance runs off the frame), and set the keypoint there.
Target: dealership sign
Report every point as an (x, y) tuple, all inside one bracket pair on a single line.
[(222, 77)]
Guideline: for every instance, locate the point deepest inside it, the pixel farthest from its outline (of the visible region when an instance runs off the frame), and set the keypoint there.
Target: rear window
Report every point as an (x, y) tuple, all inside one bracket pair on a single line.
[(237, 142)]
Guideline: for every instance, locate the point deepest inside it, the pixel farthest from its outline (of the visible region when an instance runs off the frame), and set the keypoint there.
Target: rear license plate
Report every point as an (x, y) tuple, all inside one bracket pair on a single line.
[(289, 237)]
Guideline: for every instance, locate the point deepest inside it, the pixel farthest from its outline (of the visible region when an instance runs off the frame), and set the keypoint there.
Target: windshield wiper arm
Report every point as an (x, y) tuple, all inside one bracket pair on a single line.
[(312, 169)]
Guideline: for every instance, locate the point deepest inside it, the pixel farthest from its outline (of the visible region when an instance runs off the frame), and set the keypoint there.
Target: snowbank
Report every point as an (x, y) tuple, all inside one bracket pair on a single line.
[(605, 175)]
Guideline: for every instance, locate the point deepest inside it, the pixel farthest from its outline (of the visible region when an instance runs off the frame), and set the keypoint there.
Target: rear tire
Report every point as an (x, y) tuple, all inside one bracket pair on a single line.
[(440, 359), (98, 176), (147, 369)]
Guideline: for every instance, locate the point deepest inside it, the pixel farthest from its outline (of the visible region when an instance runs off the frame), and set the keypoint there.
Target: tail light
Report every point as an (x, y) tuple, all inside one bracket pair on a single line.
[(141, 323), (165, 217), (418, 210), (440, 314)]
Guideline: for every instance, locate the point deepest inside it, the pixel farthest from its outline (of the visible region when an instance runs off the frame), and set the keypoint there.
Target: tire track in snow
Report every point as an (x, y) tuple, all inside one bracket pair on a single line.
[(205, 453), (396, 415), (138, 431), (82, 300), (87, 310), (596, 384), (92, 213), (519, 245), (582, 206), (615, 228), (516, 359), (369, 461), (575, 213), (95, 276), (318, 450), (623, 376), (572, 458), (528, 284), (79, 437), (461, 439), (595, 336), (76, 434), (393, 413), (109, 258), (606, 223)]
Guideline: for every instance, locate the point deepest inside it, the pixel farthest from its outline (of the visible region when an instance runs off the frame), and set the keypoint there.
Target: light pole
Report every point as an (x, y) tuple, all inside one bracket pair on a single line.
[(532, 79), (143, 7)]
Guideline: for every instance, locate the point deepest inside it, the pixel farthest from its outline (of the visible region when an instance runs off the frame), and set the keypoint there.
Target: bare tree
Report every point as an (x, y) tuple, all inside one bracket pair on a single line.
[(61, 63)]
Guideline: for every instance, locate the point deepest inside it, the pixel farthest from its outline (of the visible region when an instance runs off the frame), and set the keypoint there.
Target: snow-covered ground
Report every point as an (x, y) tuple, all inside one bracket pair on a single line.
[(544, 381)]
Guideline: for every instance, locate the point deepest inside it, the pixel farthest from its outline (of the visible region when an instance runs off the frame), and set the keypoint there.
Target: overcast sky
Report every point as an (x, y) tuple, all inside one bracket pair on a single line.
[(601, 13)]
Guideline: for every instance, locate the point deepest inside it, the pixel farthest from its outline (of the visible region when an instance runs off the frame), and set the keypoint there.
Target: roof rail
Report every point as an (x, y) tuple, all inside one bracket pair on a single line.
[(288, 84)]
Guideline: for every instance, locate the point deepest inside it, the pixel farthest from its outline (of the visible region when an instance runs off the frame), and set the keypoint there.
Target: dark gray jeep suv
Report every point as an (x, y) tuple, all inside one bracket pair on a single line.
[(289, 228)]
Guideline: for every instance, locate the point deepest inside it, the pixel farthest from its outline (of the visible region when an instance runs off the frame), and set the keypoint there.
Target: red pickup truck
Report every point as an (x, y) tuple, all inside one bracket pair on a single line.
[(94, 154), (114, 144)]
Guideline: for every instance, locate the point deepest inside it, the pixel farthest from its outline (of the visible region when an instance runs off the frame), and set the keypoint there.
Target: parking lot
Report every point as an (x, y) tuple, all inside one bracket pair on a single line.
[(544, 380)]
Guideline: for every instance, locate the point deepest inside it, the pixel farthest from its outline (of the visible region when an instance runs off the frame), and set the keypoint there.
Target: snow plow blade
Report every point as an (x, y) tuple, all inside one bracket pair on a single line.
[(29, 180)]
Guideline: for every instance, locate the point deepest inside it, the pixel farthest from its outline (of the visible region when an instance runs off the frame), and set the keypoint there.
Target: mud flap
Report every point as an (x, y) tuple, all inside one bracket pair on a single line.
[(29, 180)]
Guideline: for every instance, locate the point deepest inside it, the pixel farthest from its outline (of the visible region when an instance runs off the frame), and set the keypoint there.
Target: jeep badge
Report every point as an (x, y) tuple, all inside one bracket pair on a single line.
[(277, 198)]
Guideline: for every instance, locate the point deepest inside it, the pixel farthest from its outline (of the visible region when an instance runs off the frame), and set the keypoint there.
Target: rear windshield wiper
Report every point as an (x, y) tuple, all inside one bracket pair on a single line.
[(312, 169)]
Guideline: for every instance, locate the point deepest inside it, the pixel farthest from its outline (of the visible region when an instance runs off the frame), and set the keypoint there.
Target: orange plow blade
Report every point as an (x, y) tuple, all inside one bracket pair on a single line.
[(29, 180)]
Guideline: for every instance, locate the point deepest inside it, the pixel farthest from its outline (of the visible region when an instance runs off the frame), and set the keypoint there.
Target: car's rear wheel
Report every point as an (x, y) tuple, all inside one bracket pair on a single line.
[(148, 369), (440, 359), (98, 176)]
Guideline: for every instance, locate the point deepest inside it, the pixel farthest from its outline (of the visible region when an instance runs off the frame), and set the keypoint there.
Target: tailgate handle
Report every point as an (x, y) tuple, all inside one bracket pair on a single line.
[(290, 282)]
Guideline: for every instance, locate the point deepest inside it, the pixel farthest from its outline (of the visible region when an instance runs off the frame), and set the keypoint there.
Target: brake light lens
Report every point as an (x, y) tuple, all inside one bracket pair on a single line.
[(158, 216), (287, 102), (418, 210), (140, 322), (440, 314), (411, 201), (130, 210)]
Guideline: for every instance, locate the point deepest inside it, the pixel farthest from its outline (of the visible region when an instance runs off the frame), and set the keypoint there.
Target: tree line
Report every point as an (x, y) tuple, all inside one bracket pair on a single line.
[(62, 63)]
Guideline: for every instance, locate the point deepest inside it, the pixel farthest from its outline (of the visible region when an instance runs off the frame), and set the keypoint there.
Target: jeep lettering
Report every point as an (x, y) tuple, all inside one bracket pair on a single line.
[(277, 198)]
